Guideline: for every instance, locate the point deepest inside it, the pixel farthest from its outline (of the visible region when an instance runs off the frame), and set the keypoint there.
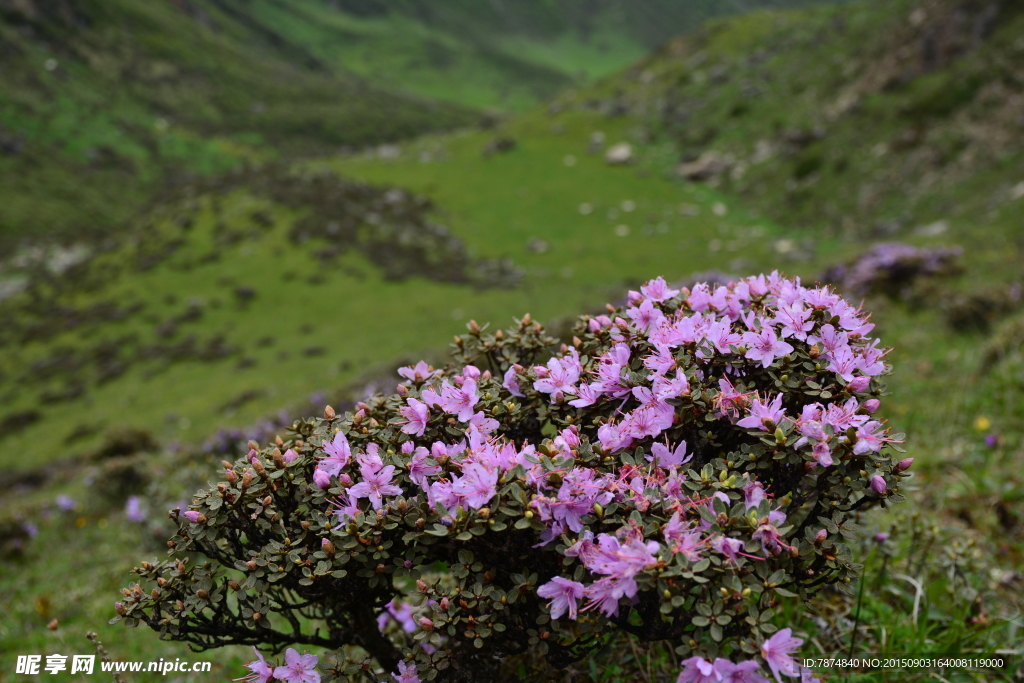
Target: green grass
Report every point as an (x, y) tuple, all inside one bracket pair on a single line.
[(497, 205)]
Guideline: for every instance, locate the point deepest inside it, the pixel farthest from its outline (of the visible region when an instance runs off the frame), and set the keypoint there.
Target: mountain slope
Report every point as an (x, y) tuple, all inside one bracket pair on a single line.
[(855, 123), (489, 54), (104, 102)]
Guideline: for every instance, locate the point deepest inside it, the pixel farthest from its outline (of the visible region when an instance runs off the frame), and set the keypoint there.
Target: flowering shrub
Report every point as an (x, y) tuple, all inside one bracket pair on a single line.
[(892, 268), (680, 467)]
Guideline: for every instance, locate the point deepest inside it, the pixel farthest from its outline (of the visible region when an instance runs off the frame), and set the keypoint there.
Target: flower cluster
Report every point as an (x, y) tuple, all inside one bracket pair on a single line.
[(296, 669), (674, 470)]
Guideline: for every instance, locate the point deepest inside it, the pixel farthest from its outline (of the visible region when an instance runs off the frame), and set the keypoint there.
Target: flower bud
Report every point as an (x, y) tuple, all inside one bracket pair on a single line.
[(878, 485), (202, 594), (251, 565), (345, 479), (329, 413), (881, 537), (194, 516), (820, 537), (421, 585), (872, 404), (425, 624), (233, 585), (253, 446), (246, 479), (858, 384), (401, 390), (278, 458), (904, 464), (327, 546), (119, 608), (53, 625)]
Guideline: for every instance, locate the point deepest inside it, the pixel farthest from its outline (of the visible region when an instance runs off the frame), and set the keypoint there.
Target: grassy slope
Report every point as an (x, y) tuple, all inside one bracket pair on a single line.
[(496, 204), (142, 93)]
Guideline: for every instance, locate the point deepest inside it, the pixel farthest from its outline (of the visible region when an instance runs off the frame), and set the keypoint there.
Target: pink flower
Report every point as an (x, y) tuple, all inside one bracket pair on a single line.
[(843, 363), (681, 539), (420, 469), (645, 316), (298, 668), (338, 454), (421, 372), (728, 401), (562, 377), (669, 458), (345, 508), (587, 396), (290, 456), (822, 454), (375, 485), (765, 346), (261, 671), (753, 494), (512, 382), (727, 546), (698, 670), (657, 290), (192, 515), (764, 416), (869, 440), (477, 485), (776, 652), (459, 401), (563, 594), (406, 673), (744, 672), (418, 414), (795, 320)]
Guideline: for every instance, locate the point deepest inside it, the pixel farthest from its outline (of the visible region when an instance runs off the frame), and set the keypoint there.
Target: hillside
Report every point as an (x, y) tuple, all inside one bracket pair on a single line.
[(855, 124), (505, 55), (104, 103)]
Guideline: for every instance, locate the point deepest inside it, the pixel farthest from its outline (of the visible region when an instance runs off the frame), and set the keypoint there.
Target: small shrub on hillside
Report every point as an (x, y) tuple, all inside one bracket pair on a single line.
[(892, 269), (980, 309), (684, 466)]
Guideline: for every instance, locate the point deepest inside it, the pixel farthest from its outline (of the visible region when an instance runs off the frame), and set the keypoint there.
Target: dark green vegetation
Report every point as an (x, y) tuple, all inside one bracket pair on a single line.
[(830, 129)]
